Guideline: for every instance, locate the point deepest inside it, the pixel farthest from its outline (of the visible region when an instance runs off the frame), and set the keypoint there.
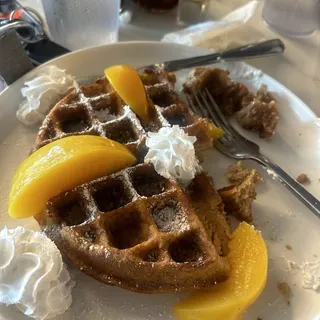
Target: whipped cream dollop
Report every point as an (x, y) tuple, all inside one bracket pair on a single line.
[(32, 274), (172, 153), (43, 92)]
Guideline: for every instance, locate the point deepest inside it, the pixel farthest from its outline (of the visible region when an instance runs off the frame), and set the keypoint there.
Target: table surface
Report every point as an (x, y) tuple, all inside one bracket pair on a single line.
[(298, 69)]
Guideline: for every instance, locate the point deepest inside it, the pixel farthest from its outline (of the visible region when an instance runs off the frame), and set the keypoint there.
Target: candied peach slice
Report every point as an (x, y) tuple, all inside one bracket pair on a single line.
[(127, 83), (228, 300), (62, 165)]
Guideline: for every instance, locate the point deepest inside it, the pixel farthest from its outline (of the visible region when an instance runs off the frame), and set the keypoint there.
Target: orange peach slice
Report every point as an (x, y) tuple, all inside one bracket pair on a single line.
[(60, 166), (214, 131), (127, 83), (227, 301)]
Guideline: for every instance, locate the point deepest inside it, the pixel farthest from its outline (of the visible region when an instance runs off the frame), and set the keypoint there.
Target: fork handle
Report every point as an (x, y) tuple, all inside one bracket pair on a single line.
[(292, 185), (253, 50)]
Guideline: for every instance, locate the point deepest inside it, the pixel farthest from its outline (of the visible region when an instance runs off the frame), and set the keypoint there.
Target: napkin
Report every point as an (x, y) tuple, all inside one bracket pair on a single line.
[(219, 34), (245, 25)]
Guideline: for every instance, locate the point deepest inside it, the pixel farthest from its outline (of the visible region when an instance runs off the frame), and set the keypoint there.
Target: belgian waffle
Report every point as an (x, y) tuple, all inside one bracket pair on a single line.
[(140, 231), (97, 109), (136, 229)]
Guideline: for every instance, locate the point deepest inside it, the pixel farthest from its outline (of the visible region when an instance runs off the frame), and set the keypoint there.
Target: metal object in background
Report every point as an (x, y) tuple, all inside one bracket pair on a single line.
[(29, 27), (24, 29), (24, 21), (253, 50)]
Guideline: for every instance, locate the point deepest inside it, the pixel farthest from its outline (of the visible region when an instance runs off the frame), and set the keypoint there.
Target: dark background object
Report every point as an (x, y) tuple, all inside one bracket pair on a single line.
[(157, 6), (44, 50), (14, 61), (7, 6)]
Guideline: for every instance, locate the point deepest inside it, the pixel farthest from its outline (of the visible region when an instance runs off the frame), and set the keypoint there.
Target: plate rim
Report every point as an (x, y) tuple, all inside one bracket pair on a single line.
[(158, 43)]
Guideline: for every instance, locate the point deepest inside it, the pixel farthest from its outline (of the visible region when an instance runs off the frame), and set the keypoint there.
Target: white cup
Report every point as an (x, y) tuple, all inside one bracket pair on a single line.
[(77, 24), (292, 18)]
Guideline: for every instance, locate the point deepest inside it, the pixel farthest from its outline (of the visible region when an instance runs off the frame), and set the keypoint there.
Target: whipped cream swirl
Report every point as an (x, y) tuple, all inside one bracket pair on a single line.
[(43, 92), (32, 274), (172, 153)]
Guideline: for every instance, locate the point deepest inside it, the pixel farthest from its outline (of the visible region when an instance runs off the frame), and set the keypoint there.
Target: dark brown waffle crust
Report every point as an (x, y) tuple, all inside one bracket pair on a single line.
[(140, 231), (136, 229), (98, 110)]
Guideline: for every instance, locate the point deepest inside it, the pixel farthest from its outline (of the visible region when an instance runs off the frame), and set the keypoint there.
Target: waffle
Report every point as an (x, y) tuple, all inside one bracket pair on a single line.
[(142, 232), (97, 109), (135, 229)]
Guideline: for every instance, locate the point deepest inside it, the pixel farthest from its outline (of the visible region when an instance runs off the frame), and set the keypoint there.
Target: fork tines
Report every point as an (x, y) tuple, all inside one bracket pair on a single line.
[(202, 103)]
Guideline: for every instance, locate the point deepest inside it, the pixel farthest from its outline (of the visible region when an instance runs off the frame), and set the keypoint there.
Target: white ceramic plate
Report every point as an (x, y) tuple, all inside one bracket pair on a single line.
[(282, 219)]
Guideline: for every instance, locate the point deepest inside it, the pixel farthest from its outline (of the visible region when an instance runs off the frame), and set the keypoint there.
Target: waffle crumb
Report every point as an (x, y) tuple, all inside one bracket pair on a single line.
[(285, 291), (239, 196), (237, 172), (303, 178)]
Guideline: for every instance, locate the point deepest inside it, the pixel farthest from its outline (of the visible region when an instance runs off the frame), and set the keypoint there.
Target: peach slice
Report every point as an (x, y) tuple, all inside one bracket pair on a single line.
[(214, 131), (227, 301), (63, 165), (127, 83)]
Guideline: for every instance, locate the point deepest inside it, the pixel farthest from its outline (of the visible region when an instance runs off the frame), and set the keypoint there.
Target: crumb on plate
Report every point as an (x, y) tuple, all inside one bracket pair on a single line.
[(285, 291), (303, 178)]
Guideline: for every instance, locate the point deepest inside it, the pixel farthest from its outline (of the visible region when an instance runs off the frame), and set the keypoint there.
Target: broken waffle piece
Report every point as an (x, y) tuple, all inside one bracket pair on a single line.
[(237, 172), (227, 93), (255, 112), (238, 197), (259, 113)]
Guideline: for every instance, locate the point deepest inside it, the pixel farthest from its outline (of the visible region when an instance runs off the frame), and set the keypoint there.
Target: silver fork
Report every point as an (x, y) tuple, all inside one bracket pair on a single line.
[(234, 145), (253, 50)]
